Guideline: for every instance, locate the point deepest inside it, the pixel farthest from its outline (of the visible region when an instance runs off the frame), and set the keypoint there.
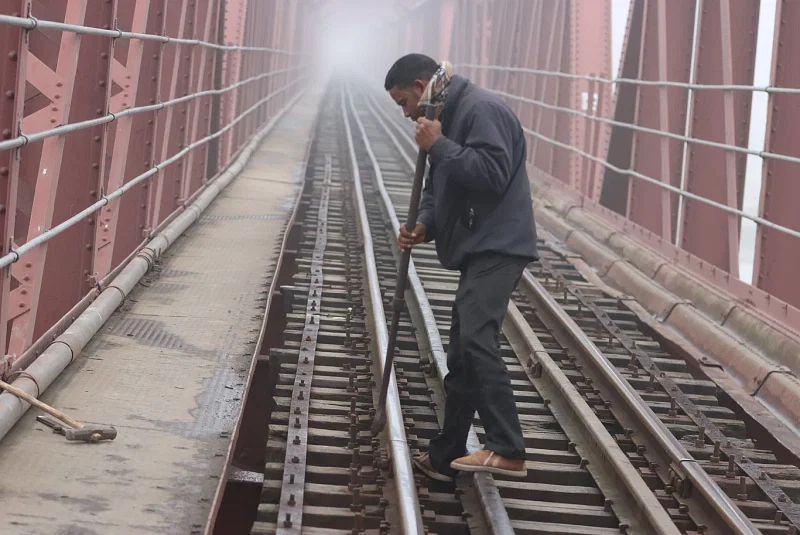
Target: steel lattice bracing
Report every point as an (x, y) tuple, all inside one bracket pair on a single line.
[(127, 105)]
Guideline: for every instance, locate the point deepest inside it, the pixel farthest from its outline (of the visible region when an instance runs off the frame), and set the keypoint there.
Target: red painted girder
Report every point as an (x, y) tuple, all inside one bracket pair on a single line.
[(131, 147), (61, 174), (203, 61), (548, 91), (13, 61), (235, 15), (619, 151), (777, 254), (725, 55), (665, 55), (530, 83), (171, 138), (590, 45)]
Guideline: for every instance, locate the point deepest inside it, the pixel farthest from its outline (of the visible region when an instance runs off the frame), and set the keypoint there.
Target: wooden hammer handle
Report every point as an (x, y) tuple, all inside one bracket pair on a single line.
[(21, 394)]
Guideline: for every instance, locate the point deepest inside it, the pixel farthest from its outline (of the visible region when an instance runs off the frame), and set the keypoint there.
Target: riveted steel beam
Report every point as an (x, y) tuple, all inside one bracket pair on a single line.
[(60, 175)]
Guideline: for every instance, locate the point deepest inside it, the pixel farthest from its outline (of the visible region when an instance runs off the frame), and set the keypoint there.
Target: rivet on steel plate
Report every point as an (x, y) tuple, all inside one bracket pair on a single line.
[(295, 459), (300, 396), (607, 504), (288, 522), (296, 441), (302, 382), (291, 501), (297, 423)]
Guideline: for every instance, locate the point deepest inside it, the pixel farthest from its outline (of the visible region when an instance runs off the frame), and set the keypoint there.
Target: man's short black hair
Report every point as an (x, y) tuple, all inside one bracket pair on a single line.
[(409, 68)]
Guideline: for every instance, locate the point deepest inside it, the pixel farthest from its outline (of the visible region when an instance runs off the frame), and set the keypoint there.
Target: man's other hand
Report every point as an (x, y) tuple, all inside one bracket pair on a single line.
[(428, 132), (408, 239)]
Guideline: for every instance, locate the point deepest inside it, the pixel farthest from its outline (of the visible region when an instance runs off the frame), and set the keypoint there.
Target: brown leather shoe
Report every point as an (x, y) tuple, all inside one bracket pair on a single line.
[(423, 463), (489, 461)]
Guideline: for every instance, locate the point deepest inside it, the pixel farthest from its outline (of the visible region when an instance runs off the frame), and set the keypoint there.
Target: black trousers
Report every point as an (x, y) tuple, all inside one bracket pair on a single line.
[(477, 379)]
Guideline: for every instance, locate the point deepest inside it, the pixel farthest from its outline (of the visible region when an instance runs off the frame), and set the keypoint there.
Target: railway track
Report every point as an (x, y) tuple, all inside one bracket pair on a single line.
[(599, 461), (698, 457)]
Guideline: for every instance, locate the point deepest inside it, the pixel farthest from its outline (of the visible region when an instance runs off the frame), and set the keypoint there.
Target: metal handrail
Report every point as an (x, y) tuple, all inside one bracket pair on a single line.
[(676, 190), (46, 236), (25, 139), (32, 23), (408, 502), (633, 81)]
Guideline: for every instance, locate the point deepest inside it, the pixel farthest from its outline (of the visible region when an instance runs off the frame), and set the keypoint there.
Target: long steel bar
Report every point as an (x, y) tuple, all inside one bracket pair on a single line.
[(32, 23), (408, 502), (731, 515), (688, 195), (707, 426), (290, 511), (633, 81), (17, 253), (492, 503), (25, 139), (639, 503), (638, 128)]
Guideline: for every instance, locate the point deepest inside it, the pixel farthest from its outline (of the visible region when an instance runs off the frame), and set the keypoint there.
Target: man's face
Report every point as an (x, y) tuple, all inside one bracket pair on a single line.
[(408, 98)]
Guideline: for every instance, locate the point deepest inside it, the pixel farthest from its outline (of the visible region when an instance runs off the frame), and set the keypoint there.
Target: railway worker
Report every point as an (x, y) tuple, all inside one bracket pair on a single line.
[(476, 206)]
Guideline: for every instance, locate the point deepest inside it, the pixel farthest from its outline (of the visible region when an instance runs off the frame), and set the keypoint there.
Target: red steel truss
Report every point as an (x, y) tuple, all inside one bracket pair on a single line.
[(53, 76)]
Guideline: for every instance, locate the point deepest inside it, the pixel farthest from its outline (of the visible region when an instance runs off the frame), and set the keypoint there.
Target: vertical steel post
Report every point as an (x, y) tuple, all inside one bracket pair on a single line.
[(13, 58)]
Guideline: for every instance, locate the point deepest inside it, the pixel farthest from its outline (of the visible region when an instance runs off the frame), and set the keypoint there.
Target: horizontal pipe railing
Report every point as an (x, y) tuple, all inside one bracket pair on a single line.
[(633, 81), (25, 139), (15, 254), (32, 23), (669, 187), (644, 129)]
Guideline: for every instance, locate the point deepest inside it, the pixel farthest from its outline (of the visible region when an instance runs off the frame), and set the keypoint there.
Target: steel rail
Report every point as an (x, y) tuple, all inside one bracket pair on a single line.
[(633, 81), (688, 195), (46, 236), (32, 23), (408, 506), (650, 424), (616, 475), (494, 510), (25, 139), (638, 128), (604, 449)]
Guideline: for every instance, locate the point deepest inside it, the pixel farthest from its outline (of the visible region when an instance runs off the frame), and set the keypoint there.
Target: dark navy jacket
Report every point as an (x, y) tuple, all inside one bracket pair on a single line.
[(477, 198)]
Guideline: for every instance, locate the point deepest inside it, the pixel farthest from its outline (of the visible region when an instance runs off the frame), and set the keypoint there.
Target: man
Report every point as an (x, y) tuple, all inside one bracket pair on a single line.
[(476, 205)]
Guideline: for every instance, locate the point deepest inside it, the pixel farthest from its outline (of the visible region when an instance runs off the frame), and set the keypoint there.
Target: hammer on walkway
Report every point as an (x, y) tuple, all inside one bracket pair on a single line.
[(77, 431), (398, 302)]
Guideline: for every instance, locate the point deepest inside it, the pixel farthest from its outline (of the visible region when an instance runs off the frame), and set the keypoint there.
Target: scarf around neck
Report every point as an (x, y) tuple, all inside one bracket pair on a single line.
[(438, 88)]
